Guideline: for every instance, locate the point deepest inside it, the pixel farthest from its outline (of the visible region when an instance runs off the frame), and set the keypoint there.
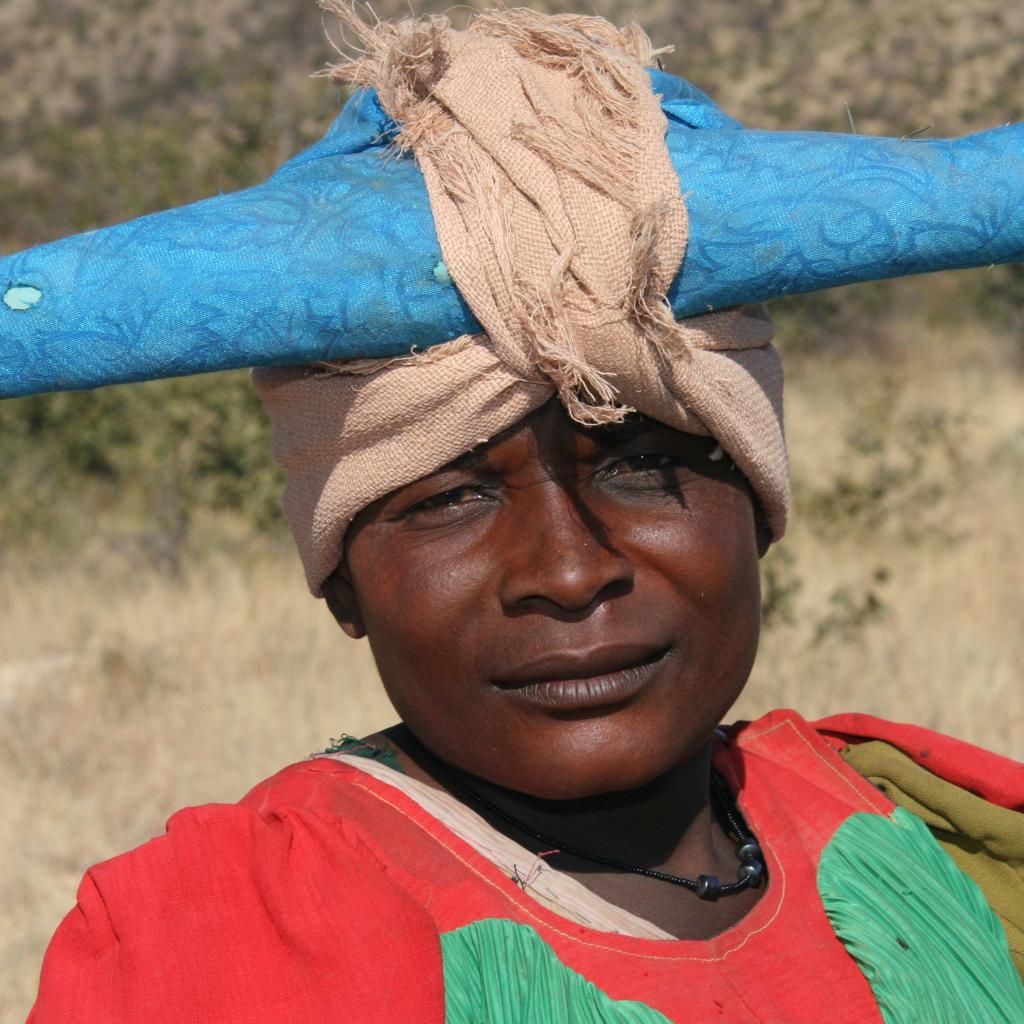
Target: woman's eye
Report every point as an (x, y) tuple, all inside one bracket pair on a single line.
[(645, 471), (450, 499), (646, 463)]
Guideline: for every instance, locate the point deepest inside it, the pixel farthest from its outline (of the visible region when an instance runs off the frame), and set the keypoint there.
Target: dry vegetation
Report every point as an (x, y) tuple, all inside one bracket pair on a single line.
[(157, 645), (111, 109), (127, 692), (902, 573)]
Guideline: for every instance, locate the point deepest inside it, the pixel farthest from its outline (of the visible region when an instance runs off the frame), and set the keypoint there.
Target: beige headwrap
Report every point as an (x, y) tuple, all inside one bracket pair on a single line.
[(561, 222)]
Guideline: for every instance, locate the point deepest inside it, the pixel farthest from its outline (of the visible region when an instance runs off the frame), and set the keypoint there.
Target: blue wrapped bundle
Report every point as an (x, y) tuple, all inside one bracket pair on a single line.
[(336, 256)]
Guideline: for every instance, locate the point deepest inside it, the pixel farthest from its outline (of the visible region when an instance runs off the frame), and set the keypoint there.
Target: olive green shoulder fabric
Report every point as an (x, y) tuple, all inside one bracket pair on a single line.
[(985, 841), (505, 973), (920, 930)]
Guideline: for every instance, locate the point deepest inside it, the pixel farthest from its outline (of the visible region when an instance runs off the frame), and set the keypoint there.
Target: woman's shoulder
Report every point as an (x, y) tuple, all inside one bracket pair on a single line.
[(320, 784), (270, 896), (312, 808), (861, 740), (993, 777), (306, 818)]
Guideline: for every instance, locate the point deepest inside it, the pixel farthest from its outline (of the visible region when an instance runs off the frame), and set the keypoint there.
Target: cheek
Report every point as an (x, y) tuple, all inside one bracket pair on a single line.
[(421, 604), (731, 599), (731, 569), (705, 566), (708, 554)]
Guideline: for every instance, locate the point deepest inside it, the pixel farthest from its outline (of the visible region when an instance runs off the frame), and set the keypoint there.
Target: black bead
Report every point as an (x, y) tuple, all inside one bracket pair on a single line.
[(752, 871), (748, 850), (708, 887)]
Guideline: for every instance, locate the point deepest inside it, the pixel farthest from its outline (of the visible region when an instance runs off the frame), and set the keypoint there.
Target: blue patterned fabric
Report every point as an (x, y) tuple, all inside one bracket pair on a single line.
[(336, 255)]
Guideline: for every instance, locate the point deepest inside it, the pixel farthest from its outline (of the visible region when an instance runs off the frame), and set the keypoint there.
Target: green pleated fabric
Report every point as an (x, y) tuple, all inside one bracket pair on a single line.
[(921, 931), (500, 972), (985, 841)]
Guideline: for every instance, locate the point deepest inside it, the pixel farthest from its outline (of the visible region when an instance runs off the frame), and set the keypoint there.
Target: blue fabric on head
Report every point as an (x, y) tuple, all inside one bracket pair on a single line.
[(336, 256), (333, 256)]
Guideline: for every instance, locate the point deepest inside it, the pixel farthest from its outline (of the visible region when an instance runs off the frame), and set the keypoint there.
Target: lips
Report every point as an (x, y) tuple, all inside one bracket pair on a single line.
[(588, 679)]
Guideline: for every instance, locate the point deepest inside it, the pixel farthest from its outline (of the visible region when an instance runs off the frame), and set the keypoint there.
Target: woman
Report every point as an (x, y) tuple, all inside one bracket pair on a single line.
[(549, 530)]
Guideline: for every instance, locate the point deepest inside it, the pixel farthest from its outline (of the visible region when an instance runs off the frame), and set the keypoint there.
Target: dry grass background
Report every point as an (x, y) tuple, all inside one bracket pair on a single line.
[(126, 693), (132, 683)]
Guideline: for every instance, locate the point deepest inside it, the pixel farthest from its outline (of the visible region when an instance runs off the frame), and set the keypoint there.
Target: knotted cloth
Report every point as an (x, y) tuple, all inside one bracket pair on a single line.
[(561, 222)]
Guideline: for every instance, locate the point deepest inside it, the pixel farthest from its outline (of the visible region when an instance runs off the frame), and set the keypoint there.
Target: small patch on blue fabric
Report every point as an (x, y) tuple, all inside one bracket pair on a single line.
[(22, 297), (441, 273)]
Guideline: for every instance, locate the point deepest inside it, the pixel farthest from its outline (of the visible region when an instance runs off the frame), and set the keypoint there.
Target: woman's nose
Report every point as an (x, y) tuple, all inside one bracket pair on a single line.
[(558, 555)]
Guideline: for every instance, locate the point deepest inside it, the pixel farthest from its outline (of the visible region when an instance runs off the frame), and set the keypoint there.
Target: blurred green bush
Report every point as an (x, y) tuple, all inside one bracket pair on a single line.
[(138, 462)]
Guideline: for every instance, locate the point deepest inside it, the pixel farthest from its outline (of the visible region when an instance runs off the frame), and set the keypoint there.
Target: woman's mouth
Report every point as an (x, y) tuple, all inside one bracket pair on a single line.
[(573, 682)]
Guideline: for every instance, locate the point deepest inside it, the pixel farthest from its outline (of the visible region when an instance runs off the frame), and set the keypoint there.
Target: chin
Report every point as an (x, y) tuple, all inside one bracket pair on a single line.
[(611, 764)]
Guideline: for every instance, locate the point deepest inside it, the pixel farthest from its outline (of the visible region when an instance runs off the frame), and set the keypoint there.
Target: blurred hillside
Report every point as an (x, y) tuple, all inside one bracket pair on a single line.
[(117, 108)]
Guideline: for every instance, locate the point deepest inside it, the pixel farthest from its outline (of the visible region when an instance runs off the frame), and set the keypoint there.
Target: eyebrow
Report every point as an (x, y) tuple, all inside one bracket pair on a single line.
[(473, 459), (633, 426), (608, 435)]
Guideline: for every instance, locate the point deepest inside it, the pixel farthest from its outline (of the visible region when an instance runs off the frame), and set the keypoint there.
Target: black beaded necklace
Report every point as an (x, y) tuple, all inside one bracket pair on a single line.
[(707, 887)]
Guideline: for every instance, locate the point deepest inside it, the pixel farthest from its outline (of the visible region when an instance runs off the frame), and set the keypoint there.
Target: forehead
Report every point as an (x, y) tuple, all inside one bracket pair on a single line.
[(549, 434)]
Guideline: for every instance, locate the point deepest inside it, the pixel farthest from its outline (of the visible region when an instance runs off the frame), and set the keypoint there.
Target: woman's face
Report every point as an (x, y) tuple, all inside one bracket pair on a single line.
[(565, 611)]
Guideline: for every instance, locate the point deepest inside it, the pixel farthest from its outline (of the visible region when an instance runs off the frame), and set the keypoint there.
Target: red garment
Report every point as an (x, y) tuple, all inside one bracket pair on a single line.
[(322, 896)]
